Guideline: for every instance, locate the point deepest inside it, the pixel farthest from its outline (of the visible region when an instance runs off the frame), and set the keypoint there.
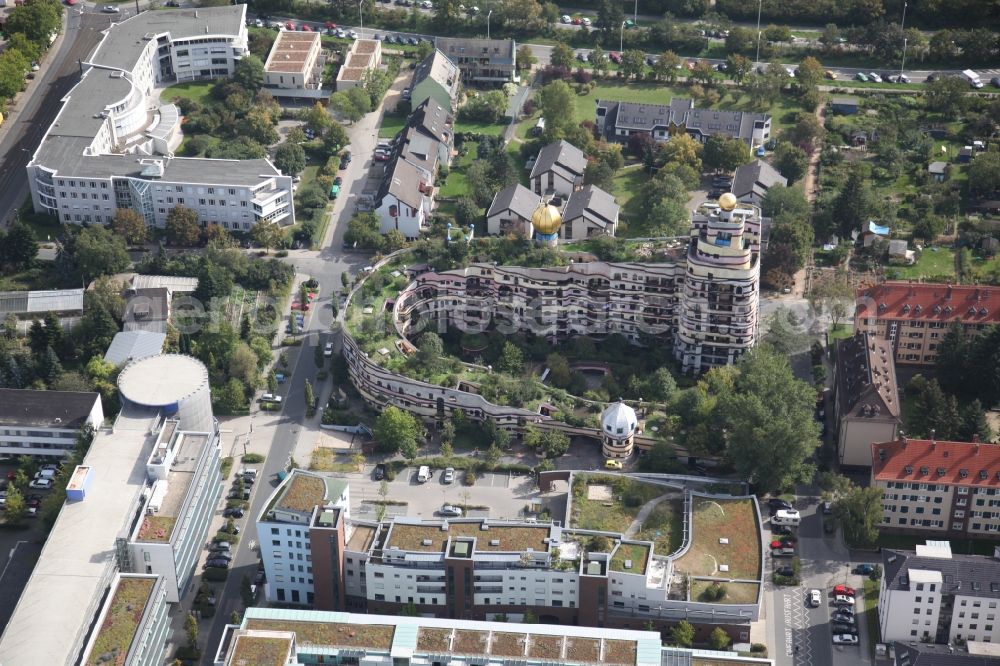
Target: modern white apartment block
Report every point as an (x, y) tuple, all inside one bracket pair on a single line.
[(931, 487), (139, 504), (933, 594), (112, 143), (316, 556), (45, 423), (295, 527)]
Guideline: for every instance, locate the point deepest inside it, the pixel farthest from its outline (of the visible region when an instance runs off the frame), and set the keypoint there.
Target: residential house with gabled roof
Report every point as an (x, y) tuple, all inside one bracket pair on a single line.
[(559, 169), (436, 122), (589, 212), (866, 398), (617, 121), (481, 61), (752, 181), (436, 77), (511, 211), (404, 199)]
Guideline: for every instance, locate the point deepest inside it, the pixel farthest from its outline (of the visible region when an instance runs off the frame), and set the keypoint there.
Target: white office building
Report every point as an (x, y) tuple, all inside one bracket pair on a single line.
[(112, 143), (45, 423)]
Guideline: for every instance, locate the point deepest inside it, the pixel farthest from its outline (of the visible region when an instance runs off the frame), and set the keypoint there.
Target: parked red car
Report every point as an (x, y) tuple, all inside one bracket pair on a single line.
[(615, 57), (305, 28), (330, 25), (290, 26), (843, 589)]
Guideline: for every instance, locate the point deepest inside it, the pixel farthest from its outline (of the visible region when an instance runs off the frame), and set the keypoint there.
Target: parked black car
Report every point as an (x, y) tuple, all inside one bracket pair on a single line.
[(379, 472), (785, 570), (838, 628), (216, 563), (777, 504), (233, 512)]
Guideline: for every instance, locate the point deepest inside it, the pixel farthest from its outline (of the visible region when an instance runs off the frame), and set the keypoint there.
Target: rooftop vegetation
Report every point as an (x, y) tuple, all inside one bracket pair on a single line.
[(157, 529), (615, 514), (121, 621), (372, 636), (733, 520), (302, 493), (261, 651)]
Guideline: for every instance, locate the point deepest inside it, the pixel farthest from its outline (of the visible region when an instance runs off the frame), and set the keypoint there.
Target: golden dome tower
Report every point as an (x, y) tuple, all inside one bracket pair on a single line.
[(545, 223), (728, 201)]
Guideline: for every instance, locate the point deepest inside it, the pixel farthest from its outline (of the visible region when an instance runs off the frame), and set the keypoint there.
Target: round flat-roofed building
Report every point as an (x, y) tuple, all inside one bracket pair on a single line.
[(618, 427), (175, 384)]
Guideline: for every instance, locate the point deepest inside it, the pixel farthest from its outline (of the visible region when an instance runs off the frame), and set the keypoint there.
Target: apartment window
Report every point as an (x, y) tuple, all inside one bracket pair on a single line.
[(274, 530), (275, 542), (920, 588)]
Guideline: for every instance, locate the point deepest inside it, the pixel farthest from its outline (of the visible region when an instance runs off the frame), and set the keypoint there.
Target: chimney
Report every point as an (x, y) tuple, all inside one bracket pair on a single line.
[(947, 294), (975, 440), (933, 443), (903, 440)]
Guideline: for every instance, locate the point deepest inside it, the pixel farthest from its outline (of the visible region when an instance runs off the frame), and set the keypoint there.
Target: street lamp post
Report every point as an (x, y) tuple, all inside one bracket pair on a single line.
[(361, 17), (488, 15), (621, 38), (902, 28), (635, 13), (756, 61)]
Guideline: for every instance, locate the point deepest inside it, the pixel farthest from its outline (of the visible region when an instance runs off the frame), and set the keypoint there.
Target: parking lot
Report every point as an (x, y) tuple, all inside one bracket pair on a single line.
[(501, 495)]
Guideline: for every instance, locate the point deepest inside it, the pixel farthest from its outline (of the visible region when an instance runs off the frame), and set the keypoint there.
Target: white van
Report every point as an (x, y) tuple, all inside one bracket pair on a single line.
[(424, 474), (786, 517)]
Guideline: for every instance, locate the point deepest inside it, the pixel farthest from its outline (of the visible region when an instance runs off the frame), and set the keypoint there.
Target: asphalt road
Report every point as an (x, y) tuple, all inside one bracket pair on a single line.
[(800, 635), (37, 108)]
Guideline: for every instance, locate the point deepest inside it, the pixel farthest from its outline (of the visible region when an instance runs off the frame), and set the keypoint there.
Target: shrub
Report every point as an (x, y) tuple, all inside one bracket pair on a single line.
[(632, 500), (252, 458), (215, 575), (469, 478)]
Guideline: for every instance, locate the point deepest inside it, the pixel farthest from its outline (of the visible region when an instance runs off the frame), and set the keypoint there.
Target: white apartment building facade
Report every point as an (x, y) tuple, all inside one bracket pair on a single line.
[(303, 508), (933, 595), (111, 147), (946, 488), (45, 423)]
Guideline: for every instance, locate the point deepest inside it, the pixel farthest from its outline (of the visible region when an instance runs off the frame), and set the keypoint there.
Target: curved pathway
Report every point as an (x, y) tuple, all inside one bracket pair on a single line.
[(644, 512)]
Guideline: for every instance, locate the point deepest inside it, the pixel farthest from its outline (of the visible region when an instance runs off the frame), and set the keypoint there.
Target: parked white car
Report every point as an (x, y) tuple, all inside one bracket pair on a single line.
[(843, 600), (270, 397), (845, 639), (566, 19), (41, 484), (815, 598)]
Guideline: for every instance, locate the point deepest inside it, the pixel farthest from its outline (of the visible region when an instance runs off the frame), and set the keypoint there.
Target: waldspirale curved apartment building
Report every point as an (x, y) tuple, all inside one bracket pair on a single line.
[(702, 299)]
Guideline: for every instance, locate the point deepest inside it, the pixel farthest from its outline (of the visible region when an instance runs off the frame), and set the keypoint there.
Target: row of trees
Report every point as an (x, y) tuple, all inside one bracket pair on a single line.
[(28, 29)]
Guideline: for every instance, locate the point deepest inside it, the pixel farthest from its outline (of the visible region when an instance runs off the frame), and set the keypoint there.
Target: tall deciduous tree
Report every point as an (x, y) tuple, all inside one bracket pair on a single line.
[(182, 226), (249, 73), (770, 430), (860, 513), (395, 429), (130, 225)]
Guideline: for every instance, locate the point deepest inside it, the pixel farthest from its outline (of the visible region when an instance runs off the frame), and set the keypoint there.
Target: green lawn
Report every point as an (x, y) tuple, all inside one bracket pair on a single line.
[(783, 111), (44, 227), (456, 185), (871, 613), (664, 526), (211, 141), (615, 514), (475, 127), (933, 261), (391, 124), (626, 184), (845, 331), (197, 91)]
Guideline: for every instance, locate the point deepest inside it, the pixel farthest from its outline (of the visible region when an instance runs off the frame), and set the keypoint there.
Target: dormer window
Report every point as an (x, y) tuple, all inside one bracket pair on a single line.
[(906, 307), (983, 474), (908, 468), (963, 473), (925, 470), (940, 471)]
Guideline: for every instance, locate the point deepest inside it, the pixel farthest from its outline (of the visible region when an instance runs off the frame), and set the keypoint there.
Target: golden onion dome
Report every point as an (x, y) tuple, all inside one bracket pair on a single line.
[(727, 201), (546, 219)]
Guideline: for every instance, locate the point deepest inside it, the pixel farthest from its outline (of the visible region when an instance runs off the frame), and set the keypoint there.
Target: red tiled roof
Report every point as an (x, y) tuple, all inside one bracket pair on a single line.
[(930, 302), (907, 460)]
